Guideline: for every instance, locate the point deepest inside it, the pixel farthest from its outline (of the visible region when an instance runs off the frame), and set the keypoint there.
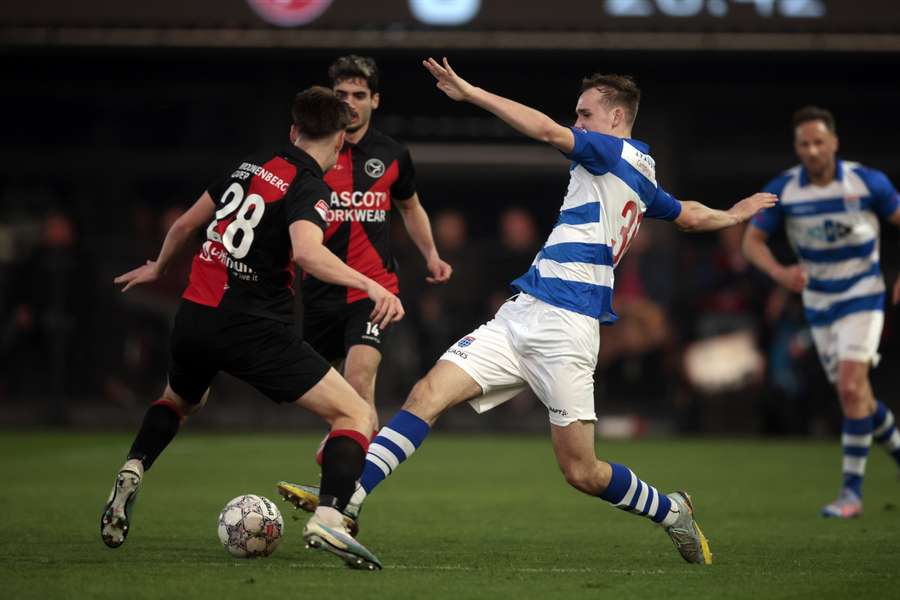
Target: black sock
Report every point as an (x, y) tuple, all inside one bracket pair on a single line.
[(160, 425), (343, 458)]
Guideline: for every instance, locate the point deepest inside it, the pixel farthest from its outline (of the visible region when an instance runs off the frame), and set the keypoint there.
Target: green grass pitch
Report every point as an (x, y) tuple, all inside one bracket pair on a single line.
[(467, 517)]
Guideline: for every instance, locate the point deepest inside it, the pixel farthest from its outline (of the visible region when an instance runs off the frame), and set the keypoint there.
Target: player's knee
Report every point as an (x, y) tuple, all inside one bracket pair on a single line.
[(425, 398), (851, 391), (182, 406)]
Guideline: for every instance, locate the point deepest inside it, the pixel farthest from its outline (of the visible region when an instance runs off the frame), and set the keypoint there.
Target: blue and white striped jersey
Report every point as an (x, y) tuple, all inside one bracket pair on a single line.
[(834, 232), (612, 186)]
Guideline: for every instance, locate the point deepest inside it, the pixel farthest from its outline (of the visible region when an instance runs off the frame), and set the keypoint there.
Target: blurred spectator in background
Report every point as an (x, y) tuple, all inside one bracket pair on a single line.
[(724, 366), (50, 317), (633, 363), (510, 254), (443, 312)]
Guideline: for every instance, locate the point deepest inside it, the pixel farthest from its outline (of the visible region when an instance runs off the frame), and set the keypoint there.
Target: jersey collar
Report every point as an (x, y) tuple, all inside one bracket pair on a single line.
[(301, 157), (639, 145), (362, 141), (803, 180)]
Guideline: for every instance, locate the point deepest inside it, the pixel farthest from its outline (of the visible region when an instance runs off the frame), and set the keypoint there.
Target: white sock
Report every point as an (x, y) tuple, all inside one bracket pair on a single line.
[(134, 465), (671, 516)]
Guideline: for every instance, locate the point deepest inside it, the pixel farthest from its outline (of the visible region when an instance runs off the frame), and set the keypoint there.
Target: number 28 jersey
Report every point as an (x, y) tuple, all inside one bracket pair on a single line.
[(612, 187), (245, 264)]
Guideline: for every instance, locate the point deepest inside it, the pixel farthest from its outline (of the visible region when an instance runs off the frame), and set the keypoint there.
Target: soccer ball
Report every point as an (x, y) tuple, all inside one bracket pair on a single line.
[(250, 526)]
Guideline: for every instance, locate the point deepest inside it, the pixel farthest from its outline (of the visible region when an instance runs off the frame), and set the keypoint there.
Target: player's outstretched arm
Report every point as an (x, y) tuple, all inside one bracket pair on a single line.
[(313, 257), (418, 226), (179, 233), (523, 119), (696, 217)]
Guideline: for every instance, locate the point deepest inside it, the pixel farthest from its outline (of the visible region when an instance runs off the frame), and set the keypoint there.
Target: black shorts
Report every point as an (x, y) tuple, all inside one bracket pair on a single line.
[(267, 354), (333, 332)]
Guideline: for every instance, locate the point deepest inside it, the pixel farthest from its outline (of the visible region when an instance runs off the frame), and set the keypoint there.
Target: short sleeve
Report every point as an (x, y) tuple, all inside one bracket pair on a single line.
[(885, 200), (307, 200), (596, 152), (405, 186), (771, 219), (217, 188), (664, 206)]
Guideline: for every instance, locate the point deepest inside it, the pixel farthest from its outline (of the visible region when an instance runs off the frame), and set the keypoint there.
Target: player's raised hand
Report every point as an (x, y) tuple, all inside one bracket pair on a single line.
[(448, 81), (146, 273), (793, 278), (440, 271), (746, 208), (387, 306)]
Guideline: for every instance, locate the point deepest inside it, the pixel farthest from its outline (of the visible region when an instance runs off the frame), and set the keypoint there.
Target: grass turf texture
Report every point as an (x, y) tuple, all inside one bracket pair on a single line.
[(465, 518)]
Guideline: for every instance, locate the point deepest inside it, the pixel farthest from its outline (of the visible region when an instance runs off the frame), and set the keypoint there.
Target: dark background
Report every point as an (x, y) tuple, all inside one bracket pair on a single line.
[(103, 144)]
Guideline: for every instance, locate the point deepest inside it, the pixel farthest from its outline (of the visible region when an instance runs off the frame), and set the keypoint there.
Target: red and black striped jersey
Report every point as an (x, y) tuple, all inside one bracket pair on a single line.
[(367, 176), (245, 264)]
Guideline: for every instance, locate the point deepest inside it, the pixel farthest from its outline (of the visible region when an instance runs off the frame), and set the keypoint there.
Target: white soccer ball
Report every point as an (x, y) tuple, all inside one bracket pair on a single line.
[(250, 526)]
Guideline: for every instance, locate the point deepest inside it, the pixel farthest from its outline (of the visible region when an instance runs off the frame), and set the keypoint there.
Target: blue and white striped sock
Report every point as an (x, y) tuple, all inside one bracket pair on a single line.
[(885, 430), (856, 440), (629, 493), (394, 443)]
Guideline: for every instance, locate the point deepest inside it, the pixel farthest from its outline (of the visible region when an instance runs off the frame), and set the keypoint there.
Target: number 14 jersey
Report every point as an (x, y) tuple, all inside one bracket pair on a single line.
[(612, 187), (245, 264)]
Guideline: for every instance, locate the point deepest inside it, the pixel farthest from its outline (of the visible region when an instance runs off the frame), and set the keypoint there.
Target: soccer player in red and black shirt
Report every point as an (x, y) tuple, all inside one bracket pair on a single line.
[(373, 174), (266, 216)]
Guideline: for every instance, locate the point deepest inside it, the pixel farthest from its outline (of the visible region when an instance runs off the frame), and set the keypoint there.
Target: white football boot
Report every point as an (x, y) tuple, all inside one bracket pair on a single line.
[(326, 530), (685, 533), (114, 523)]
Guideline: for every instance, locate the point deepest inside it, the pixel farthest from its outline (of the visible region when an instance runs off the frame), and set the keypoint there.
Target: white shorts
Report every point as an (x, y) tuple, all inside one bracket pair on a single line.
[(532, 343), (854, 337)]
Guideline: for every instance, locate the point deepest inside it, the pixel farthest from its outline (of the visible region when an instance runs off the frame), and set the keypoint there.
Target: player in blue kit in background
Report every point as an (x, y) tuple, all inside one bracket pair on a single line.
[(548, 336), (830, 209)]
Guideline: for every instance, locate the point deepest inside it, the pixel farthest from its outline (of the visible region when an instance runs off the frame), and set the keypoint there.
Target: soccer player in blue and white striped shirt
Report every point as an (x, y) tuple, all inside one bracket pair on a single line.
[(830, 209), (548, 337)]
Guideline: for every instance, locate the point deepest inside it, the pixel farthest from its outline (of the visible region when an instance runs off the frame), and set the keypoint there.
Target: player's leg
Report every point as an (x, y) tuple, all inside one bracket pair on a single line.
[(271, 357), (858, 406), (343, 455), (445, 385), (190, 373), (360, 369), (482, 363), (885, 430), (573, 445), (856, 339), (558, 354), (866, 337)]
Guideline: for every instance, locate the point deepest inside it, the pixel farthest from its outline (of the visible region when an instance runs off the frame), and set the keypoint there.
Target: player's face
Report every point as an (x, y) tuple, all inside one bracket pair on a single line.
[(357, 94), (593, 114), (816, 146)]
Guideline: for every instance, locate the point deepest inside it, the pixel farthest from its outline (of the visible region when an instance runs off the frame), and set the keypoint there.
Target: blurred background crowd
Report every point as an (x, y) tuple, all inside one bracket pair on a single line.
[(105, 143)]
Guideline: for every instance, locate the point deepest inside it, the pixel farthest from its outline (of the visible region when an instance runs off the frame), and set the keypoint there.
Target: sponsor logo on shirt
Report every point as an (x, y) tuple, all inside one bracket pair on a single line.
[(829, 231), (213, 252)]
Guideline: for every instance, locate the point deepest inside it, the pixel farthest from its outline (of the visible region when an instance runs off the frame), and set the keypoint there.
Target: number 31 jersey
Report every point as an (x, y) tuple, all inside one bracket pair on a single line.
[(612, 187), (245, 264)]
